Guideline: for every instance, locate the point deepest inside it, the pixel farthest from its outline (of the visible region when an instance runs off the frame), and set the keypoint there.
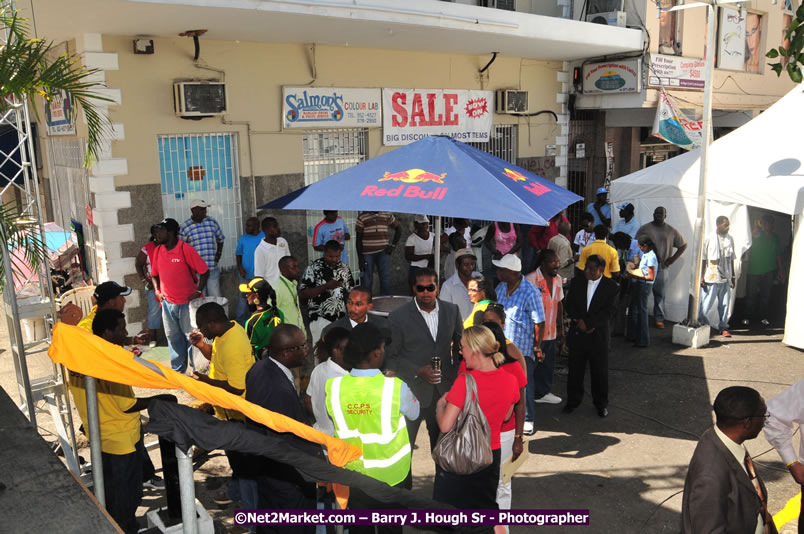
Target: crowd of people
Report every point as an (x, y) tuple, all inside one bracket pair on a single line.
[(303, 343)]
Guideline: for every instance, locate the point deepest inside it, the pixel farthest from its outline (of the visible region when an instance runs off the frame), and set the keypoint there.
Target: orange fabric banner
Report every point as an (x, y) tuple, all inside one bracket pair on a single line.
[(88, 354)]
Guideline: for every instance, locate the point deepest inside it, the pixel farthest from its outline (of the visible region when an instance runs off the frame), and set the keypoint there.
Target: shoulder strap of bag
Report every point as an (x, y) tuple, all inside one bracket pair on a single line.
[(471, 392)]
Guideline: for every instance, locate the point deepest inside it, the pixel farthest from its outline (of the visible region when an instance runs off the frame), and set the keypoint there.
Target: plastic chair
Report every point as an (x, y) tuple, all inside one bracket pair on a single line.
[(81, 297)]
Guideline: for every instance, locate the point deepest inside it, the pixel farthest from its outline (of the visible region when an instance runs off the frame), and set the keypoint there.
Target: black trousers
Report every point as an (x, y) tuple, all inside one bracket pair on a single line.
[(594, 350), (360, 500), (427, 414), (122, 480)]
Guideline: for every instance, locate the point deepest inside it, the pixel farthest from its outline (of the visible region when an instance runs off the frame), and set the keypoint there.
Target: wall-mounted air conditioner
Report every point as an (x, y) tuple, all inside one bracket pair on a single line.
[(195, 100), (512, 102), (609, 18)]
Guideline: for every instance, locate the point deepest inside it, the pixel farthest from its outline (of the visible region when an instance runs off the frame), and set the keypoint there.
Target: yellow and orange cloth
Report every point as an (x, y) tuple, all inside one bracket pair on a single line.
[(82, 352)]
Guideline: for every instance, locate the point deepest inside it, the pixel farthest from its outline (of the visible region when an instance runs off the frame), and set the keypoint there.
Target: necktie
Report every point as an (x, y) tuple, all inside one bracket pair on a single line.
[(766, 518)]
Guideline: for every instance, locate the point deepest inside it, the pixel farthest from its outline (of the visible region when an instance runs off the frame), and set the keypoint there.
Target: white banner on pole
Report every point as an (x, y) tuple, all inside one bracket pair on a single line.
[(674, 127), (412, 114)]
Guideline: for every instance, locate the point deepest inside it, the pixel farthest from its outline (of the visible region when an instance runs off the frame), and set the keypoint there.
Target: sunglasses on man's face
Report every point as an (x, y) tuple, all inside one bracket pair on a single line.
[(422, 289)]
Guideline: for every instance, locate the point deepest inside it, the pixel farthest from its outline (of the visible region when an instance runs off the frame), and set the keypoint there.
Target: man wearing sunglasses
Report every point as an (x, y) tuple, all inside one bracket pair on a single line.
[(422, 330), (723, 492)]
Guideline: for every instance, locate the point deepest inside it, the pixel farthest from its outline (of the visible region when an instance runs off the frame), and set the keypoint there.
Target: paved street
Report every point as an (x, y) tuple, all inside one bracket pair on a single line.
[(627, 469)]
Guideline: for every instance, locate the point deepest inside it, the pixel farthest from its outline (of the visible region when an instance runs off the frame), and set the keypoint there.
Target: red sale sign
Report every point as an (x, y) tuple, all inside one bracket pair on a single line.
[(412, 114)]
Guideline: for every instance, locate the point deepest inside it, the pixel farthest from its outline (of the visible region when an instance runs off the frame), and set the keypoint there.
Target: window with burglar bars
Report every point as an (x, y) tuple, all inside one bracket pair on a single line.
[(325, 153), (203, 166)]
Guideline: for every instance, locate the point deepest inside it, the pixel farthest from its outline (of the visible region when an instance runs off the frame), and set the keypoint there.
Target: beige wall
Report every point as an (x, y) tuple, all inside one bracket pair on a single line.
[(255, 74), (732, 89)]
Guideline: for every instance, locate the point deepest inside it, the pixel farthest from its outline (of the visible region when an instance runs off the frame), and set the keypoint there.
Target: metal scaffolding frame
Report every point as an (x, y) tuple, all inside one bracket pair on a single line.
[(46, 393)]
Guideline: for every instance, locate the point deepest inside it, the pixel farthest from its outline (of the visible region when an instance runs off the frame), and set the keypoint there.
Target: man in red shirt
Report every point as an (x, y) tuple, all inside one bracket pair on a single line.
[(179, 276)]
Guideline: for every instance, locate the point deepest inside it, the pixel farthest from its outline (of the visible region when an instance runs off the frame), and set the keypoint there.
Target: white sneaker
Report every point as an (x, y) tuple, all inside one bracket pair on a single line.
[(528, 429), (550, 399)]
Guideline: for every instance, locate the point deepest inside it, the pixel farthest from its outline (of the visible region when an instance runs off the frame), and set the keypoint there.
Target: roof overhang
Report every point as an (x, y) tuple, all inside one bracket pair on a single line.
[(425, 25)]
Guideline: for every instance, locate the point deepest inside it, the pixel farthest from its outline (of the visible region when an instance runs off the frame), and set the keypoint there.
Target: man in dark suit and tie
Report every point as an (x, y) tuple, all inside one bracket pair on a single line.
[(420, 330), (358, 304), (722, 492), (269, 383), (590, 304)]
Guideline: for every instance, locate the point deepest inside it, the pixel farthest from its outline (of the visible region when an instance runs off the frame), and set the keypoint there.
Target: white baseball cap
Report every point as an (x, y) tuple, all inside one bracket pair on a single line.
[(421, 219), (198, 203), (510, 262)]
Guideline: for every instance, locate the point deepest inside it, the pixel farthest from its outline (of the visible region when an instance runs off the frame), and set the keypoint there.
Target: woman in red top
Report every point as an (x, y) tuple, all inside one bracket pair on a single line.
[(497, 393)]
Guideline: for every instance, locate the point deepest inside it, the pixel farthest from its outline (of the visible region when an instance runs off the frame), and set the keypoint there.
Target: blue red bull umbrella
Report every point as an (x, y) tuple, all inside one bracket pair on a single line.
[(438, 176)]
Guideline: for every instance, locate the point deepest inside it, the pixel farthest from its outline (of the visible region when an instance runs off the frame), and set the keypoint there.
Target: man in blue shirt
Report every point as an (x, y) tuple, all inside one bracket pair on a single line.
[(204, 234), (331, 227), (524, 322), (244, 254), (627, 223), (600, 208)]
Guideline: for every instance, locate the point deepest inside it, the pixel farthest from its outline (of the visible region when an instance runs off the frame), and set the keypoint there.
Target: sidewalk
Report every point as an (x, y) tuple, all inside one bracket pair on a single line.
[(627, 469)]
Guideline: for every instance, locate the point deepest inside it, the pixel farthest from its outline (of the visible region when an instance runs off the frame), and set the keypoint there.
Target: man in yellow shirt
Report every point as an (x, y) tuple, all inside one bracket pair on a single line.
[(604, 250), (230, 357), (112, 296), (121, 441)]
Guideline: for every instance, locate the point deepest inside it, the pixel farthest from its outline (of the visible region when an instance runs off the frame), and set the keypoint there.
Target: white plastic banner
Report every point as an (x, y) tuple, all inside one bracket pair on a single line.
[(674, 127), (412, 114)]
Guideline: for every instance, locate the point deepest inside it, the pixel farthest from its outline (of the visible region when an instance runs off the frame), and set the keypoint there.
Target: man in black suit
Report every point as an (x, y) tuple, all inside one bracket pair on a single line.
[(422, 329), (269, 383), (722, 492), (358, 304), (590, 304)]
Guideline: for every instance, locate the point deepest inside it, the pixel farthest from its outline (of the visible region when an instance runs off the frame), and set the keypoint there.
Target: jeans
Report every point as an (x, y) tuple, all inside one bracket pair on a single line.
[(154, 310), (638, 329), (658, 296), (542, 376), (241, 311), (759, 288), (213, 287), (719, 293), (383, 263), (530, 396), (176, 318)]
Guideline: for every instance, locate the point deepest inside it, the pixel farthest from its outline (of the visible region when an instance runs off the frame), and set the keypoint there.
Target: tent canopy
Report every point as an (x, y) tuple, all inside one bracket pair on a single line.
[(760, 164)]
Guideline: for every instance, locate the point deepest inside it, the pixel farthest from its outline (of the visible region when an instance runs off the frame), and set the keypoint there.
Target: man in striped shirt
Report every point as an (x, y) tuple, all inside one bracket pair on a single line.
[(373, 247)]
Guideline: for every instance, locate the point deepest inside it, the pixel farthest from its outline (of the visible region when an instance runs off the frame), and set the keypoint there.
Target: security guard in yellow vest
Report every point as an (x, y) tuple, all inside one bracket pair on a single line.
[(369, 409)]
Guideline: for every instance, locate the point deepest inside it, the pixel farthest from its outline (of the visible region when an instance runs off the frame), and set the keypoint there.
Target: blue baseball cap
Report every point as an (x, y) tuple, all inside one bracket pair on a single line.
[(601, 190), (623, 206)]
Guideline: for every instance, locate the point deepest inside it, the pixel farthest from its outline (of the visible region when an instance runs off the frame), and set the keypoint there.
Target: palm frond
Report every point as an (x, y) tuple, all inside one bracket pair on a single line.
[(24, 242), (28, 67)]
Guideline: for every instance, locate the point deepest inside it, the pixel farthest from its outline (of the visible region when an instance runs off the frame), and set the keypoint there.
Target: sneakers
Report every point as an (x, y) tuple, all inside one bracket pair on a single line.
[(725, 333), (222, 499), (152, 344), (154, 483), (528, 429), (549, 399)]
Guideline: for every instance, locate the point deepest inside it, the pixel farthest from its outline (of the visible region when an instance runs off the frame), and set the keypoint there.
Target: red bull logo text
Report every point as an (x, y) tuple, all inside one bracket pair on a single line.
[(514, 175), (411, 176)]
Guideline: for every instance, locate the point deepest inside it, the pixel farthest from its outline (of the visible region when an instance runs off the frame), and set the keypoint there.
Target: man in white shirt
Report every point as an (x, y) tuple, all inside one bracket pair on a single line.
[(562, 246), (722, 491), (785, 410), (455, 290), (270, 251), (717, 276), (627, 223)]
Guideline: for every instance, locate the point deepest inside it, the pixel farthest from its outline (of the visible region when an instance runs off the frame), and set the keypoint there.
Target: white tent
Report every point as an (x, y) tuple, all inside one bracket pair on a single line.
[(759, 165)]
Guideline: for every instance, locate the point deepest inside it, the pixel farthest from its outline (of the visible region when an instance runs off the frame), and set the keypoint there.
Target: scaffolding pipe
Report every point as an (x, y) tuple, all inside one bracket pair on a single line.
[(91, 388), (187, 490)]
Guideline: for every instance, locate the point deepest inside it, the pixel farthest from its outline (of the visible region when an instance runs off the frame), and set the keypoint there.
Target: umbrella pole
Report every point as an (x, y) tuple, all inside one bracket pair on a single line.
[(437, 246)]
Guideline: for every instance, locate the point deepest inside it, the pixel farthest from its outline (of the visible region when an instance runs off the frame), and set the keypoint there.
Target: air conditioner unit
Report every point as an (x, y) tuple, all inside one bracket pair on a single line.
[(609, 18), (195, 100), (512, 102)]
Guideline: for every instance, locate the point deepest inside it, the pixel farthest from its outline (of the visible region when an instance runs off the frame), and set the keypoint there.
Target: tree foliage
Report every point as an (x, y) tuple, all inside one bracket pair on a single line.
[(791, 59)]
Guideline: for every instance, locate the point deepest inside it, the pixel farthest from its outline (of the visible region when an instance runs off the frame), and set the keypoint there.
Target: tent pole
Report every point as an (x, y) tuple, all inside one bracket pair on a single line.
[(187, 488), (700, 226), (437, 247), (91, 391)]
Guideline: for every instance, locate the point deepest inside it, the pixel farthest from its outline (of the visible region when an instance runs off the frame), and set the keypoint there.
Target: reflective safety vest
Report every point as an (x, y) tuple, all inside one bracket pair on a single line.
[(366, 413)]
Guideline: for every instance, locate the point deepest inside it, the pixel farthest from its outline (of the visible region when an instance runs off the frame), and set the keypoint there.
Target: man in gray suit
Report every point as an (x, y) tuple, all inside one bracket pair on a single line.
[(358, 305), (422, 329), (723, 492)]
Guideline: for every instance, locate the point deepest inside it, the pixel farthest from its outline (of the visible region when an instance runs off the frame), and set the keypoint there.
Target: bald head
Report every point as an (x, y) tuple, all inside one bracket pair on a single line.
[(288, 345)]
